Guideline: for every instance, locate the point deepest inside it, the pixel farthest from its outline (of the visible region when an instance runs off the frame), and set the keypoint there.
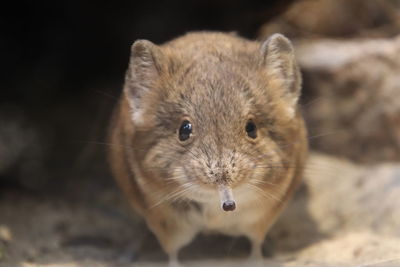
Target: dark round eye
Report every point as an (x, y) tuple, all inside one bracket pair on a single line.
[(185, 130), (251, 129)]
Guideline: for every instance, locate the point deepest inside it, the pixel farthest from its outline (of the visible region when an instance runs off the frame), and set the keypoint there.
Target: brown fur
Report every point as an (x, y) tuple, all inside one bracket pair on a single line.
[(218, 82)]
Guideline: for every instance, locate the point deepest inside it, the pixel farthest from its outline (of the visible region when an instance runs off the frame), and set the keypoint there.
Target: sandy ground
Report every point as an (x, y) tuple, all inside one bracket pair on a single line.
[(345, 215)]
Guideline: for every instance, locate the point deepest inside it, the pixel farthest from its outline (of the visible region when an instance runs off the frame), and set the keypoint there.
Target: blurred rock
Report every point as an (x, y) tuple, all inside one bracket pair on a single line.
[(348, 197), (354, 214), (352, 90), (337, 18)]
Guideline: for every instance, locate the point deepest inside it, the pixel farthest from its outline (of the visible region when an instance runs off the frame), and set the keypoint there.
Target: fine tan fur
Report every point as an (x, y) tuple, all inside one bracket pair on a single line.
[(218, 82)]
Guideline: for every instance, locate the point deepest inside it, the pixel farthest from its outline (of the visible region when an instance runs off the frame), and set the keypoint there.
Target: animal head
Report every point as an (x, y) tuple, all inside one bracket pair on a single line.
[(213, 110)]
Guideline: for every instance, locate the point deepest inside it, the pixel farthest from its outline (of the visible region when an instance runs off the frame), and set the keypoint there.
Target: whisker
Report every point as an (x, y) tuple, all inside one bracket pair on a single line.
[(274, 188), (109, 144), (313, 101), (106, 94), (174, 194), (264, 193), (262, 182), (312, 137)]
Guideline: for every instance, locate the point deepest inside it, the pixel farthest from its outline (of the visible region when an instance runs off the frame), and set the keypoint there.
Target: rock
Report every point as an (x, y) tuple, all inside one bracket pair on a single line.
[(348, 214), (352, 93), (336, 18)]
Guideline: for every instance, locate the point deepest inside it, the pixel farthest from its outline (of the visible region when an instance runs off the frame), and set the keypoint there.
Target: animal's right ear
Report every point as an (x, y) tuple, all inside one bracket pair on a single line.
[(144, 70)]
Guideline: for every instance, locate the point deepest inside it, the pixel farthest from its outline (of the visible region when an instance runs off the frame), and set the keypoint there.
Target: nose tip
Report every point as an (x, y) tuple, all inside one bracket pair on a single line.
[(229, 206)]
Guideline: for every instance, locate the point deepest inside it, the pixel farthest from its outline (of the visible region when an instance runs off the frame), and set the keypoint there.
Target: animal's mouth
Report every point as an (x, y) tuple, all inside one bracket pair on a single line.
[(226, 197)]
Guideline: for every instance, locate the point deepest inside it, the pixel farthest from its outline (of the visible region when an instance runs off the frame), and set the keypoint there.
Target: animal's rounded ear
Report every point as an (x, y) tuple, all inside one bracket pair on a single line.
[(280, 63), (145, 67), (145, 58)]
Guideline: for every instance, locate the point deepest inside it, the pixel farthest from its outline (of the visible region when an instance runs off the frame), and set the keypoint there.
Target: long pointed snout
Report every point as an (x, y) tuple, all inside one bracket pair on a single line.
[(226, 197)]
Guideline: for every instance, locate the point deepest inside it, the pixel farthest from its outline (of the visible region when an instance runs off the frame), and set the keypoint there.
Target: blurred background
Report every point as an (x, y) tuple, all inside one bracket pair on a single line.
[(63, 64)]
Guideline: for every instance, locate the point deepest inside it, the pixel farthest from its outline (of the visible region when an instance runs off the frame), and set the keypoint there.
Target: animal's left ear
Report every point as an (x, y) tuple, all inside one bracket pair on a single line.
[(280, 63)]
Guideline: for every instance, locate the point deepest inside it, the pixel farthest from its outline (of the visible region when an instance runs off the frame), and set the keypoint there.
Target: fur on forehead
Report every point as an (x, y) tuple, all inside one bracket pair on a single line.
[(222, 76), (217, 89)]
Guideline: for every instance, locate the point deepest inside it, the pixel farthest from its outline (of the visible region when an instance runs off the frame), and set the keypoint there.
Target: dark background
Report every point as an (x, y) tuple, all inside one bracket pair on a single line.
[(63, 64)]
